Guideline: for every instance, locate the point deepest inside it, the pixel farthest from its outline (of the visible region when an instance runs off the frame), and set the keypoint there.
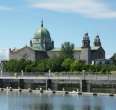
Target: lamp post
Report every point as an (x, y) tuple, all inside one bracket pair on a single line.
[(1, 68), (22, 73), (49, 72), (83, 71)]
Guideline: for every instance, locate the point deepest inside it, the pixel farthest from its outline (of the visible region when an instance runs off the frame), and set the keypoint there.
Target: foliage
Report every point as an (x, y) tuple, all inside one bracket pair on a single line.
[(67, 63), (67, 49), (76, 66), (63, 63), (114, 58), (56, 64)]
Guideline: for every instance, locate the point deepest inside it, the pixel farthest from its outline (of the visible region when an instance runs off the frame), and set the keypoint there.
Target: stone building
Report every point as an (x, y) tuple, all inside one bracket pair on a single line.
[(41, 46), (38, 48)]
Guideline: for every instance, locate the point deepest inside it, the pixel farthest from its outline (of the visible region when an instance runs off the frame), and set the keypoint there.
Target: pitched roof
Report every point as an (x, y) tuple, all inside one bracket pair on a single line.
[(56, 49), (17, 50), (59, 49), (95, 48), (75, 49)]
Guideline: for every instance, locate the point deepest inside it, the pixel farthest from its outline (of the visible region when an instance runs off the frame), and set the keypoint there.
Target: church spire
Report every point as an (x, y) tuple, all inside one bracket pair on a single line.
[(86, 41), (97, 42), (42, 22)]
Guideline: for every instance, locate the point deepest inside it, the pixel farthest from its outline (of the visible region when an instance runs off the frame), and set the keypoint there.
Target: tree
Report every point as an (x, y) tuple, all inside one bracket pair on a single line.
[(16, 65), (76, 66), (114, 58), (67, 63), (54, 64), (11, 66), (67, 49)]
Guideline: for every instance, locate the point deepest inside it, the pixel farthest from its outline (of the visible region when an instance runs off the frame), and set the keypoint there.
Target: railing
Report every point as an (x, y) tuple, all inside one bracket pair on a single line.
[(62, 75), (51, 73)]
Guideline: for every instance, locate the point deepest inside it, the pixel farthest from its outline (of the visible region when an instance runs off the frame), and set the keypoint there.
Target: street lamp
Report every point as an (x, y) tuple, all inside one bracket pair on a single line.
[(1, 68), (83, 71), (22, 73), (49, 72)]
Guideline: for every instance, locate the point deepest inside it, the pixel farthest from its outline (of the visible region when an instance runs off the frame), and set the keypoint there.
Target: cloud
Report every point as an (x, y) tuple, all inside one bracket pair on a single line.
[(4, 54), (5, 8), (89, 8)]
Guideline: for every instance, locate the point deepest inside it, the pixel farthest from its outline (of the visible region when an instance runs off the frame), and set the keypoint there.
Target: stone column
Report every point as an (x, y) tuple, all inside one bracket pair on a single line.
[(55, 85), (88, 87), (21, 83), (83, 86), (1, 83), (49, 84)]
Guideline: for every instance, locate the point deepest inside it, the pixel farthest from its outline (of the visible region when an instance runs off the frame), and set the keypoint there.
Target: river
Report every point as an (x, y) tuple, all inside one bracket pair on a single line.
[(30, 101)]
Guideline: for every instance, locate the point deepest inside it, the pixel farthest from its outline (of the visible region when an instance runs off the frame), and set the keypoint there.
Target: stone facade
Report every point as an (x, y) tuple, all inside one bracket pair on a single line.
[(23, 53), (41, 46), (86, 52), (27, 53), (103, 61)]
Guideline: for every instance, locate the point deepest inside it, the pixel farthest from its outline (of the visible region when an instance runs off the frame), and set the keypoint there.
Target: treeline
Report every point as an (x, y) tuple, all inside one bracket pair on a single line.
[(55, 65), (64, 63)]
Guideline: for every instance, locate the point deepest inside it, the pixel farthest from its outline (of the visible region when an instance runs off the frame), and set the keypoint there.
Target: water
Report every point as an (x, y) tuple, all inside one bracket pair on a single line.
[(15, 101)]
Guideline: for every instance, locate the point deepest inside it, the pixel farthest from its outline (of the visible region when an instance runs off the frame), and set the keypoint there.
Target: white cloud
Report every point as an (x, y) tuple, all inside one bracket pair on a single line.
[(89, 8), (5, 8), (4, 54)]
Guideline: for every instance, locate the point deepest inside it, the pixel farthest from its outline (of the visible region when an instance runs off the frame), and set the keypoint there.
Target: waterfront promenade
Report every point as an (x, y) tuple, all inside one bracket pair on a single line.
[(69, 77), (84, 82)]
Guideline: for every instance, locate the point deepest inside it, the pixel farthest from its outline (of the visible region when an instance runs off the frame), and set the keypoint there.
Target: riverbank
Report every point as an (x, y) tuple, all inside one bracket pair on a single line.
[(50, 92)]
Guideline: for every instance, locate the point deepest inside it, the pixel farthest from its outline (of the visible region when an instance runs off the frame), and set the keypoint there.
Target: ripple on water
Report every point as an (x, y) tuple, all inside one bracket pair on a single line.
[(30, 101)]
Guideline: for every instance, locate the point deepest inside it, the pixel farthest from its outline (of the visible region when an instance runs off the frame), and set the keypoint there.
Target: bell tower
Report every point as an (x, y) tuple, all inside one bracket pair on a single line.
[(86, 41), (85, 49), (97, 42)]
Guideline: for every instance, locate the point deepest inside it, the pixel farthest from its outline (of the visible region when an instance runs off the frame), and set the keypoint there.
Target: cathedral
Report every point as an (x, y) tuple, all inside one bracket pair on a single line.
[(42, 46)]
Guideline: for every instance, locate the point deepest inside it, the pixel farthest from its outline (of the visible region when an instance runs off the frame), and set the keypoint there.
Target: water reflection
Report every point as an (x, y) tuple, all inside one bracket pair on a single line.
[(43, 106), (98, 105), (55, 102), (89, 107), (67, 107), (29, 102), (92, 103)]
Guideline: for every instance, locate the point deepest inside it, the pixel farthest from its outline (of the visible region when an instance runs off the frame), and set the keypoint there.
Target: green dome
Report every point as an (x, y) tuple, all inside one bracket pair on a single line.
[(42, 32), (42, 39)]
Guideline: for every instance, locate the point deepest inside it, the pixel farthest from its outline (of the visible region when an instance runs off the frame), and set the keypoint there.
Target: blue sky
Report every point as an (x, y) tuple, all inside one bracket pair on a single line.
[(67, 20)]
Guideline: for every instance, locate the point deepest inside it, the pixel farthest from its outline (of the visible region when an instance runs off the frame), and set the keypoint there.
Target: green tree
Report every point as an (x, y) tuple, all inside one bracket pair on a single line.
[(114, 58), (30, 66), (67, 63), (54, 64), (76, 66), (67, 49), (42, 66), (11, 66)]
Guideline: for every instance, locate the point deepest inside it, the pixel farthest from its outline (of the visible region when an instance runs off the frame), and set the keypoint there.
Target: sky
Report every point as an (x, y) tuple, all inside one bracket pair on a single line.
[(66, 20)]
